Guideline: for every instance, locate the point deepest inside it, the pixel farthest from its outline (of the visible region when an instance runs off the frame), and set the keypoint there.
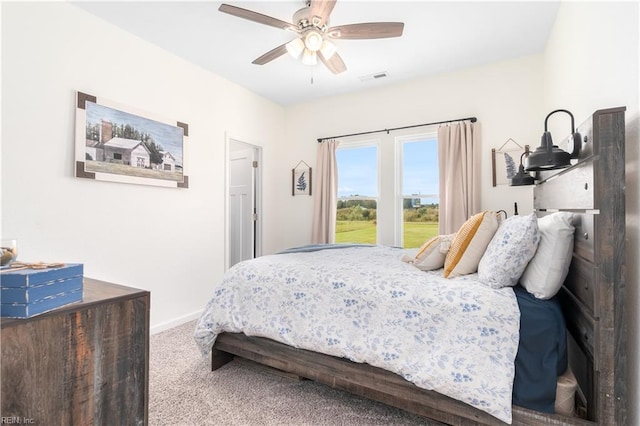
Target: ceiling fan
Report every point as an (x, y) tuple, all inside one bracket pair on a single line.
[(315, 35)]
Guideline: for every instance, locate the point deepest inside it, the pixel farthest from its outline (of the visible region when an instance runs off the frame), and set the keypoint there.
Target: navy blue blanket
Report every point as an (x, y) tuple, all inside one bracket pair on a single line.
[(542, 352)]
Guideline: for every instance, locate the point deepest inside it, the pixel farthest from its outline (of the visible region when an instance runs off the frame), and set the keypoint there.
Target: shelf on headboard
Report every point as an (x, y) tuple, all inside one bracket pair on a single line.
[(593, 294)]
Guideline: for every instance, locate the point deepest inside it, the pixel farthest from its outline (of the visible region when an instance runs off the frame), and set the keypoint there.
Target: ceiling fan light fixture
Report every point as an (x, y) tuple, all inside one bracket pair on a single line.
[(309, 57), (328, 49), (313, 40), (295, 47), (311, 23)]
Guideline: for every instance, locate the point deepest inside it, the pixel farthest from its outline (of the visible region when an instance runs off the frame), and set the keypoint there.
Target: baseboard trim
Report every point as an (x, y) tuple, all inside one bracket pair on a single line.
[(175, 322)]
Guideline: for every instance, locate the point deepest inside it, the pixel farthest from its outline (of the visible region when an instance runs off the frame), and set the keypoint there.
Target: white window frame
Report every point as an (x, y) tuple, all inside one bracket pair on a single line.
[(399, 142), (366, 143)]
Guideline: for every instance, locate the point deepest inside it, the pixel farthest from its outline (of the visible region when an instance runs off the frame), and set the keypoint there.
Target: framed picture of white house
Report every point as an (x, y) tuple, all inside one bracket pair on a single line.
[(119, 144)]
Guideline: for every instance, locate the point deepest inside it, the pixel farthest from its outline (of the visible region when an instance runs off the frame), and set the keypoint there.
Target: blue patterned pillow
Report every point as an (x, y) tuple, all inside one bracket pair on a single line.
[(509, 252)]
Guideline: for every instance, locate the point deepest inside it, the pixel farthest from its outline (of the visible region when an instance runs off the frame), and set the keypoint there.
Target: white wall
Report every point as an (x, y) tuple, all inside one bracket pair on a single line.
[(591, 63), (50, 50), (506, 98)]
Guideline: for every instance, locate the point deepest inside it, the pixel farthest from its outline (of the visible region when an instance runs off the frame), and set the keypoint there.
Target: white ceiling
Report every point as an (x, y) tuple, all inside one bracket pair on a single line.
[(438, 37)]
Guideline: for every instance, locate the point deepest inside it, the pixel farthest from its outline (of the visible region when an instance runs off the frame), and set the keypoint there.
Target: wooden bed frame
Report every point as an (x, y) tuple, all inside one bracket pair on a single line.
[(592, 299)]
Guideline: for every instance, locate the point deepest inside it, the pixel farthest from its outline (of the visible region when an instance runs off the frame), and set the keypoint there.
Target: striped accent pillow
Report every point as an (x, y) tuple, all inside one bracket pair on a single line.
[(470, 243), (432, 253)]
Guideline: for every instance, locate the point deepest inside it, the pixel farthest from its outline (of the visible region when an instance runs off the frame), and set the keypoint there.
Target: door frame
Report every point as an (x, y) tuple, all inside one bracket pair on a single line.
[(229, 140)]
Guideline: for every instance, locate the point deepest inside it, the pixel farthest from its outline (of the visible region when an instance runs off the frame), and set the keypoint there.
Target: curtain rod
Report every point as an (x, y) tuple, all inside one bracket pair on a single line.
[(472, 119)]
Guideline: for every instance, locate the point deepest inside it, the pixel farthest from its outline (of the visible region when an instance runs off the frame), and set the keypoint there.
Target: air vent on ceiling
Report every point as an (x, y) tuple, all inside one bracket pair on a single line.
[(374, 76)]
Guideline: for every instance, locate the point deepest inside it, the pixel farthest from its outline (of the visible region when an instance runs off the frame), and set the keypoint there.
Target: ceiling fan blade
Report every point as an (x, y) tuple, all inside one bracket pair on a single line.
[(367, 30), (256, 17), (335, 64), (271, 55), (322, 9)]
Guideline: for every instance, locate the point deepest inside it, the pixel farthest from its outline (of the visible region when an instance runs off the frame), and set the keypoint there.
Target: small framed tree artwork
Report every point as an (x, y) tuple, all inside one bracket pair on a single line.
[(301, 179), (505, 161)]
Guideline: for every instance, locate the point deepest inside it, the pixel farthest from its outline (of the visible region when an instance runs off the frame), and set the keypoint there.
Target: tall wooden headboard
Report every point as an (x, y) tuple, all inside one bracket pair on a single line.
[(594, 292)]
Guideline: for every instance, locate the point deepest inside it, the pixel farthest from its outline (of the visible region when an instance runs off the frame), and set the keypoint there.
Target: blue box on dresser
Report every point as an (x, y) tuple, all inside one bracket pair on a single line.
[(28, 292)]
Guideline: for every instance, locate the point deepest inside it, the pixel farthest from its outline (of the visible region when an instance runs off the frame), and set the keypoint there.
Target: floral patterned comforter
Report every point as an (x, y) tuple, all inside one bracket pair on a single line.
[(455, 336)]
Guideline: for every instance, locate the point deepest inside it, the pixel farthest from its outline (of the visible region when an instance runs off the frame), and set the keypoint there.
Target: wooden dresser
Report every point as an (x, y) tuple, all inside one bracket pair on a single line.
[(82, 364)]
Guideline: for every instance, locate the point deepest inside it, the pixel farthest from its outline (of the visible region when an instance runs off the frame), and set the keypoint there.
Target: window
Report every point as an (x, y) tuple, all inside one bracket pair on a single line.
[(388, 190), (358, 188), (418, 175)]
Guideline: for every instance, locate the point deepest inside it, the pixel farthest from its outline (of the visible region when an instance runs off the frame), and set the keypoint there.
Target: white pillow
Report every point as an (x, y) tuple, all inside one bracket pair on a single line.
[(510, 250), (469, 244), (432, 253), (546, 272)]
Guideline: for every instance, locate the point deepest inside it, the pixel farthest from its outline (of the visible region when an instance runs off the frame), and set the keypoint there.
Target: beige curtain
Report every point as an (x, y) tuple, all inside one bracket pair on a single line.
[(459, 164), (325, 197)]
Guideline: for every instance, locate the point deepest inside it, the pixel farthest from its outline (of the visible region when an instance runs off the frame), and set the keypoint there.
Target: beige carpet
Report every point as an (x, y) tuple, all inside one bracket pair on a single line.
[(183, 391)]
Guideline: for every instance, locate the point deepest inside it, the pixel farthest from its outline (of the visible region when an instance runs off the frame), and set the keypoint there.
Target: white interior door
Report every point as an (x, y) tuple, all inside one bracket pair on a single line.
[(242, 204)]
